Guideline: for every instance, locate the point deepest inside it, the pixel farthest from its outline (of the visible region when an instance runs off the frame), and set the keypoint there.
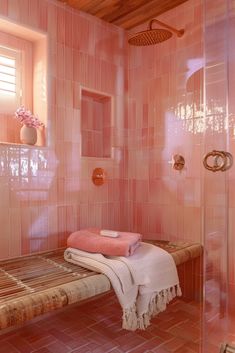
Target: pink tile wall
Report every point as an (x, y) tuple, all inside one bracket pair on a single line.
[(47, 192), (165, 118)]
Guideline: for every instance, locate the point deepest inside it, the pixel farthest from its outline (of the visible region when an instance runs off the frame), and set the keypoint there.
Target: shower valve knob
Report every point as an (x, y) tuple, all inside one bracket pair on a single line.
[(177, 162)]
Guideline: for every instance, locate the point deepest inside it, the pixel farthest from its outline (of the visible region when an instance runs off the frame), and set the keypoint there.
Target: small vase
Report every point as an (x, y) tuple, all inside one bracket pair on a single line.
[(28, 135)]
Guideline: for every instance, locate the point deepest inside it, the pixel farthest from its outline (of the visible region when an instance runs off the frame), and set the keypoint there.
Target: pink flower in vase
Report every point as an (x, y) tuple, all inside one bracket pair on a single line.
[(25, 117)]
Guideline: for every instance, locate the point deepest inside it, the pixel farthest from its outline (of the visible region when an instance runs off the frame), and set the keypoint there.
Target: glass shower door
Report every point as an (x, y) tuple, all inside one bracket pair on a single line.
[(217, 173)]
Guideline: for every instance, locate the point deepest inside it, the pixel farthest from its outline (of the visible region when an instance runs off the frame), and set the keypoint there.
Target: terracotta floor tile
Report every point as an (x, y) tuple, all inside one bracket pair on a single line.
[(166, 336), (60, 336), (44, 341), (174, 344), (185, 331), (82, 350), (104, 330), (77, 343), (31, 333), (81, 333), (75, 328), (132, 341), (193, 346), (42, 350), (96, 328), (58, 347), (147, 346), (20, 344), (161, 350), (147, 334), (185, 349), (167, 325), (6, 347), (108, 347)]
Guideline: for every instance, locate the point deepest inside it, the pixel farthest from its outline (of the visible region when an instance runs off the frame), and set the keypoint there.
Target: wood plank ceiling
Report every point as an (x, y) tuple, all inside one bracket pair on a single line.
[(124, 13)]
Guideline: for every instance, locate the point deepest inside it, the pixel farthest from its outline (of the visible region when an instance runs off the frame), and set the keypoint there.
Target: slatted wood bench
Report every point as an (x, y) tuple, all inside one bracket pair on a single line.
[(37, 284)]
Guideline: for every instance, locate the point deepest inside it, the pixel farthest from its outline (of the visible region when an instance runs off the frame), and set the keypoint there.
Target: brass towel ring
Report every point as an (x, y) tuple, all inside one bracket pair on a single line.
[(226, 161), (216, 167), (229, 161)]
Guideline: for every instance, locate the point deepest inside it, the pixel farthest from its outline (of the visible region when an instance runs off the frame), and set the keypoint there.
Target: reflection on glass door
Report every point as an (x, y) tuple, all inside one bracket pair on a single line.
[(219, 137)]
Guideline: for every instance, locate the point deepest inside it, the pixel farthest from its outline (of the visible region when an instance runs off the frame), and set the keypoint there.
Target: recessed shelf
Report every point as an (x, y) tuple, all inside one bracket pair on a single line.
[(95, 124)]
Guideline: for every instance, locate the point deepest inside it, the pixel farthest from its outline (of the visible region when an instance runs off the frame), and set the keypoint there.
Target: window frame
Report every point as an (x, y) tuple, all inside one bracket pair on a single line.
[(22, 50)]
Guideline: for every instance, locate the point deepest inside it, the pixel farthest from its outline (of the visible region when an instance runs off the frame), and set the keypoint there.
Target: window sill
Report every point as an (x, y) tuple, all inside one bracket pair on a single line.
[(12, 144)]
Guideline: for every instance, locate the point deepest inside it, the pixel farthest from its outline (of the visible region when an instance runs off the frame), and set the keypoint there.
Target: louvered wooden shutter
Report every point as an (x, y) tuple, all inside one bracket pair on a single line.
[(10, 79)]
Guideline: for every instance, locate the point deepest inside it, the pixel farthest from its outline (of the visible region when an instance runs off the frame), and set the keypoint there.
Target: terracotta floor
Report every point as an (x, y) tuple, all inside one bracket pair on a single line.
[(96, 327)]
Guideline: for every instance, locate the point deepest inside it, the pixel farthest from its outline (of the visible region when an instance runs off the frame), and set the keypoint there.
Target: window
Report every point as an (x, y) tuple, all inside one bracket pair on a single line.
[(23, 72), (10, 79)]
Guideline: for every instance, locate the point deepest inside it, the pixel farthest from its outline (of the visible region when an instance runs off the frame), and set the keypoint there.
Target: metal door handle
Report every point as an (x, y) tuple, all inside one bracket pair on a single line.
[(229, 162), (226, 161)]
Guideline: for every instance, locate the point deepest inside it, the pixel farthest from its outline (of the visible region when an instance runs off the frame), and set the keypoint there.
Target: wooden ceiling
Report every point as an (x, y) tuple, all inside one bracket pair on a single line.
[(124, 13)]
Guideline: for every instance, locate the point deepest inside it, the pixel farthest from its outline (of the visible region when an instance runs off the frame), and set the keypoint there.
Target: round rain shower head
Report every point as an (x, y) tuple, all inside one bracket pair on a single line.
[(150, 37), (153, 36)]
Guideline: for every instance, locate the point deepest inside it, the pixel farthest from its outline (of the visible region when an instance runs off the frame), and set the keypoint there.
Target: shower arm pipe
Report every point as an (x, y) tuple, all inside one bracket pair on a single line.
[(178, 32)]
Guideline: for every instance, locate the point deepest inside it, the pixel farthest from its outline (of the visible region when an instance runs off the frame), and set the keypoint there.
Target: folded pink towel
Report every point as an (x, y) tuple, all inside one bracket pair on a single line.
[(90, 240)]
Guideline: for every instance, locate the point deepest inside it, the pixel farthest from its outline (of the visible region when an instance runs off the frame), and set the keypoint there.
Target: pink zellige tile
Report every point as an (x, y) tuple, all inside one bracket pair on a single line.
[(14, 10), (4, 218), (43, 11), (61, 25), (4, 7), (15, 232), (34, 13), (52, 20), (68, 62)]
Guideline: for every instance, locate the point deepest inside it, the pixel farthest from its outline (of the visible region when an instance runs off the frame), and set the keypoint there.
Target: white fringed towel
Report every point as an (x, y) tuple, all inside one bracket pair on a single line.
[(144, 282)]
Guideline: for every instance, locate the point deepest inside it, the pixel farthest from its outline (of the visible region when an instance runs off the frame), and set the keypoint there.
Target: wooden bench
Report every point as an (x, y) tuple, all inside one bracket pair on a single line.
[(37, 284)]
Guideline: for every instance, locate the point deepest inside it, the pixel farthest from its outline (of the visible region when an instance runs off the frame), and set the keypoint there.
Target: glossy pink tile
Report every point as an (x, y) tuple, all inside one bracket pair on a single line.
[(49, 192)]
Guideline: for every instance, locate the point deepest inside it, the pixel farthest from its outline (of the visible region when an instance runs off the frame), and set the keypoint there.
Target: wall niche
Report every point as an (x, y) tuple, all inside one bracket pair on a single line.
[(96, 111)]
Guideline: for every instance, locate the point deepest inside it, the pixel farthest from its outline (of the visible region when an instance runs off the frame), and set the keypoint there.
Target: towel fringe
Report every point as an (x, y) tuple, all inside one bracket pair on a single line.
[(178, 290), (130, 319)]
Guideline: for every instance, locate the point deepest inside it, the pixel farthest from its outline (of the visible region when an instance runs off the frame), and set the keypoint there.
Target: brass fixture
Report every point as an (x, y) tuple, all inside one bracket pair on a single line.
[(225, 164), (177, 162), (229, 161), (98, 176), (153, 36)]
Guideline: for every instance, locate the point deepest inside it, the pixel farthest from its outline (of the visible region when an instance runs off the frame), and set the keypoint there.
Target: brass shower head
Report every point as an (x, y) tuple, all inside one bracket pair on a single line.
[(153, 36)]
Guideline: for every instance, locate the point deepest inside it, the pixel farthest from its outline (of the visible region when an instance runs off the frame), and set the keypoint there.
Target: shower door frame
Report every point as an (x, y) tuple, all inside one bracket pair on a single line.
[(215, 184)]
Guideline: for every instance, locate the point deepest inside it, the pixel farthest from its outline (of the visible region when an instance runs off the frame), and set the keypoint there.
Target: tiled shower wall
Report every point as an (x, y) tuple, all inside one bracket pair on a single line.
[(166, 118), (46, 192)]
